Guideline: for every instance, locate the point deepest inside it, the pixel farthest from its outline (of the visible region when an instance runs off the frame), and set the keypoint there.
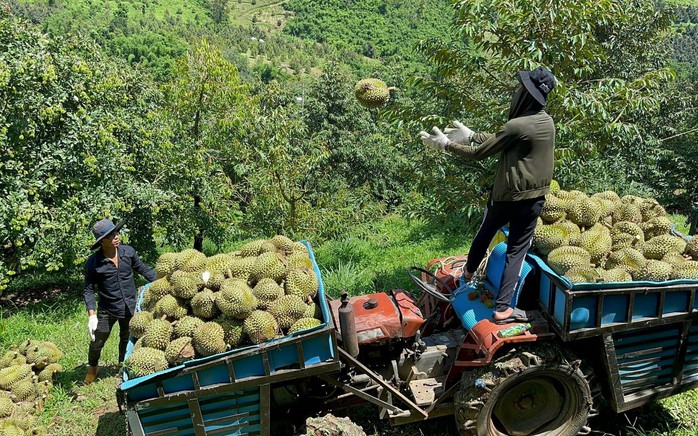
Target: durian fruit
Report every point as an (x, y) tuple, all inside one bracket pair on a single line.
[(650, 209), (268, 265), (186, 326), (203, 304), (287, 310), (563, 258), (298, 258), (139, 323), (43, 354), (627, 212), (157, 335), (299, 247), (219, 263), (685, 270), (283, 243), (692, 247), (626, 258), (313, 311), (184, 285), (12, 357), (236, 299), (260, 326), (573, 231), (615, 275), (627, 234), (170, 307), (24, 390), (138, 344), (673, 259), (166, 264), (146, 361), (233, 332), (7, 406), (214, 281), (584, 212), (209, 339), (179, 351), (12, 374), (607, 195), (653, 271), (266, 291), (160, 287), (597, 241), (301, 282), (659, 246), (546, 238), (191, 260), (656, 226), (583, 274), (371, 93), (27, 345), (554, 186), (607, 206), (241, 268), (252, 248), (47, 374), (303, 324)]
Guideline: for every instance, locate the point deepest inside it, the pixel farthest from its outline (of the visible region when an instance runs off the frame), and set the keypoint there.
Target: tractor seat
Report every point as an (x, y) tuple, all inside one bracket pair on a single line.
[(470, 312)]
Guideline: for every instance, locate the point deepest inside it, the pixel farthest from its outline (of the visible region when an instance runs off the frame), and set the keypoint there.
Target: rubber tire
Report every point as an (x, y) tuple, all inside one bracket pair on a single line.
[(476, 401)]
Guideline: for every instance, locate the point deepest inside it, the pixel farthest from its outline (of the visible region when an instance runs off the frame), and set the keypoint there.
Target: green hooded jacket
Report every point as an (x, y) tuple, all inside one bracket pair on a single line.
[(526, 145)]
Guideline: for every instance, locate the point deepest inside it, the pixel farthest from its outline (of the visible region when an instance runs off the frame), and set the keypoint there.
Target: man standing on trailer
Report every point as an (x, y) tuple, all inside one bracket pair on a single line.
[(525, 144)]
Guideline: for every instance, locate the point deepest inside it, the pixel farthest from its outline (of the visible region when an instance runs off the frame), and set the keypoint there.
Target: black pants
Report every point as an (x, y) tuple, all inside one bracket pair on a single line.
[(521, 216), (105, 322)]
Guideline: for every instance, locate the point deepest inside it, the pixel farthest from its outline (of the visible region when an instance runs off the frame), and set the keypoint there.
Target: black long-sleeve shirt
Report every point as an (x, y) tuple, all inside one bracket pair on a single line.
[(116, 286)]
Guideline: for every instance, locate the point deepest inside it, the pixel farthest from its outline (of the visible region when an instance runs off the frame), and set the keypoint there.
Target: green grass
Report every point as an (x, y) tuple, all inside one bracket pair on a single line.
[(372, 259)]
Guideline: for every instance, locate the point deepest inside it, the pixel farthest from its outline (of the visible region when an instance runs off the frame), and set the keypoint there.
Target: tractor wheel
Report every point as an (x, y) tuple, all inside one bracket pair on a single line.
[(532, 390)]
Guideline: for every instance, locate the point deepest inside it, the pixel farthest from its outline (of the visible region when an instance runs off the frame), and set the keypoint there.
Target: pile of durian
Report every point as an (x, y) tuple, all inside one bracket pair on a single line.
[(608, 238), (201, 306), (27, 372)]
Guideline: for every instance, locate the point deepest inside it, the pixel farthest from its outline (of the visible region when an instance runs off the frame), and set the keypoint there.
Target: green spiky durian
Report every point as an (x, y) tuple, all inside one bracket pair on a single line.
[(186, 326), (627, 212), (546, 238), (12, 357), (627, 234), (49, 372), (597, 241), (145, 361), (12, 374), (626, 258), (297, 259), (650, 209), (653, 271), (241, 268), (563, 258), (139, 323), (191, 260), (268, 265), (160, 287), (236, 299), (287, 310), (584, 212), (692, 247), (657, 226), (674, 259), (607, 206), (554, 186), (219, 263), (7, 406), (607, 195), (685, 270), (301, 282), (179, 351), (203, 304), (252, 248), (303, 324), (10, 427), (313, 311), (166, 264), (260, 326), (371, 93), (27, 345), (299, 247), (214, 281), (233, 332), (170, 307), (157, 335), (659, 246), (209, 339), (184, 285), (266, 291), (42, 354), (24, 390), (553, 209), (615, 275)]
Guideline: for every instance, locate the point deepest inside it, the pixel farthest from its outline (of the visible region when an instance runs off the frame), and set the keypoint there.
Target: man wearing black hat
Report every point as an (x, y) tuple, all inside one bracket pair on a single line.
[(525, 144), (110, 271)]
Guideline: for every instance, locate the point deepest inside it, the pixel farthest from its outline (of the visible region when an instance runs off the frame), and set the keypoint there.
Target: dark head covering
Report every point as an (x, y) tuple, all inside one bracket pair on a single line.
[(102, 228), (538, 83)]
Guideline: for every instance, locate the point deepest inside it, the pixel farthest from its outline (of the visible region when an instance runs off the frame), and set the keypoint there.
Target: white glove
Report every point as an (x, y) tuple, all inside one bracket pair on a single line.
[(437, 141), (459, 134), (92, 326)]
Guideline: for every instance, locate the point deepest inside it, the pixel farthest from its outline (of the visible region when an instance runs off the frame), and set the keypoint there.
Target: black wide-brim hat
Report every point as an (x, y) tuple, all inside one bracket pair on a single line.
[(103, 228), (538, 83)]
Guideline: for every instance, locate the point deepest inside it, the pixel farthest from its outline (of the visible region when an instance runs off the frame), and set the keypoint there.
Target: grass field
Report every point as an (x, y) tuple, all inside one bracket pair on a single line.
[(374, 259)]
